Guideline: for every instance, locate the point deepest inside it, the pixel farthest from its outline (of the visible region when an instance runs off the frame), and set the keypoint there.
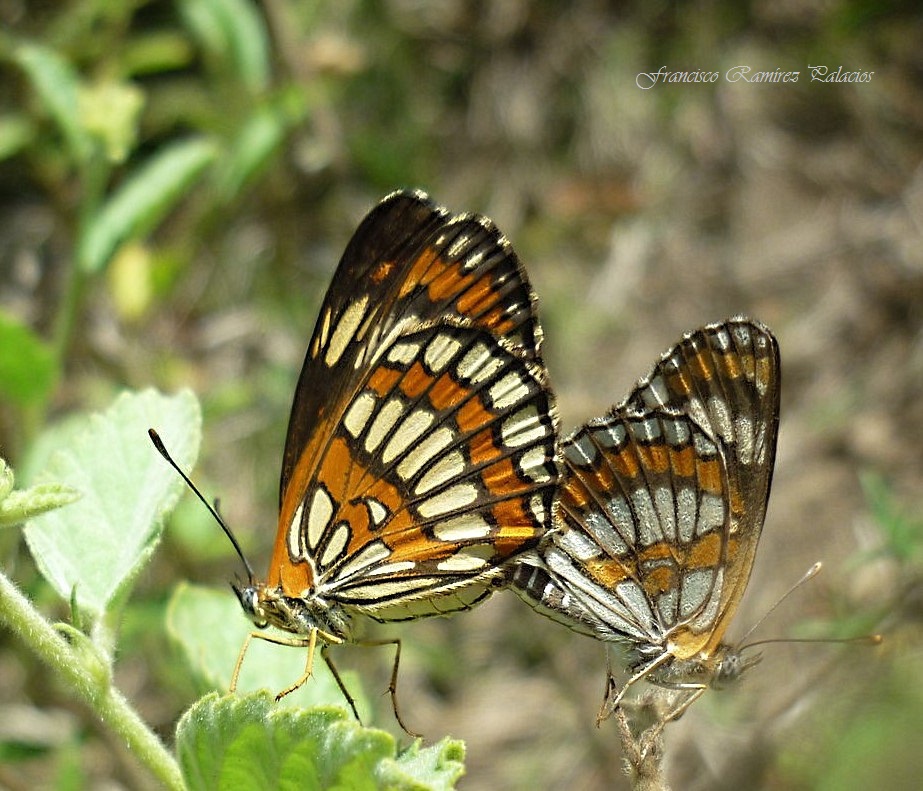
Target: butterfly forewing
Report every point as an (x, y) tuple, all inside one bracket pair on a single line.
[(421, 453), (409, 264)]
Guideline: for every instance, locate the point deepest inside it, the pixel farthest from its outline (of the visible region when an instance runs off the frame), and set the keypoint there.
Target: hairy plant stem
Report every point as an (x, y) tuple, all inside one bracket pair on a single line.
[(87, 671)]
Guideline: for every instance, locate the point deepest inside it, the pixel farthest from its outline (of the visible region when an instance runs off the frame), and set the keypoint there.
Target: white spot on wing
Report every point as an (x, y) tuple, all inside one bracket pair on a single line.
[(578, 546), (336, 545), (676, 432), (377, 511), (694, 590), (358, 413), (345, 329), (611, 435), (508, 391), (440, 351), (466, 527), (387, 416), (410, 430), (369, 555), (450, 466), (458, 245), (534, 465), (294, 533), (479, 364), (403, 353), (648, 524), (604, 532), (621, 516), (461, 562), (427, 449), (392, 568), (452, 499), (711, 514), (744, 432), (319, 516), (721, 418), (686, 510), (324, 328), (580, 450), (524, 427), (666, 514)]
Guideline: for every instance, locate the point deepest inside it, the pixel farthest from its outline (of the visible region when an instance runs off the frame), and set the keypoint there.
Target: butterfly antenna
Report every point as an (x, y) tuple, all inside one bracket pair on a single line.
[(162, 450), (870, 639), (809, 574)]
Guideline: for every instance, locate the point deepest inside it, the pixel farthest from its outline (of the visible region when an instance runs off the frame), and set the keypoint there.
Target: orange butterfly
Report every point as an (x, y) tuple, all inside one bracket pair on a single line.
[(421, 449), (662, 505)]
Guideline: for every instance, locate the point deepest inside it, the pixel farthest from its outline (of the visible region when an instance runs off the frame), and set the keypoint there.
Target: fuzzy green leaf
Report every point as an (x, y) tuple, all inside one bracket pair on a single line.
[(19, 506), (251, 742), (258, 139), (16, 132), (438, 767), (98, 544)]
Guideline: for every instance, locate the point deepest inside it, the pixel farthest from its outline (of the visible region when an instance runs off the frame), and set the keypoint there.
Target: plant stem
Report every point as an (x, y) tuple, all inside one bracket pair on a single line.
[(88, 675)]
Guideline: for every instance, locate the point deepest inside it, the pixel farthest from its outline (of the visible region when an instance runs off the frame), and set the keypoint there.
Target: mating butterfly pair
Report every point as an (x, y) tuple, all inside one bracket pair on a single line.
[(422, 467)]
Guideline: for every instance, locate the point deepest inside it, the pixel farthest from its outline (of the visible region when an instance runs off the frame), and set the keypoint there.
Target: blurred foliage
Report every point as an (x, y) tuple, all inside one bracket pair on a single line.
[(177, 180)]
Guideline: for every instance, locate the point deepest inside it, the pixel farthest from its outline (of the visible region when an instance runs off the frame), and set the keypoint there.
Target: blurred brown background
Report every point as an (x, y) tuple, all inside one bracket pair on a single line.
[(640, 214)]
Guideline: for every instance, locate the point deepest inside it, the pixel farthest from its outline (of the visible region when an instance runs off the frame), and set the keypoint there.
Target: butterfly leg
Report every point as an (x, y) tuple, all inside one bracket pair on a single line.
[(696, 692), (309, 642), (240, 660), (610, 703), (392, 685), (336, 677), (308, 665)]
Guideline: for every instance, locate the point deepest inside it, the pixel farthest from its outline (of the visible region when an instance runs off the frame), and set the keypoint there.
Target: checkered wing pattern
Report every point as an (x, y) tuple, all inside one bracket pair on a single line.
[(663, 501), (727, 377), (643, 529), (421, 451)]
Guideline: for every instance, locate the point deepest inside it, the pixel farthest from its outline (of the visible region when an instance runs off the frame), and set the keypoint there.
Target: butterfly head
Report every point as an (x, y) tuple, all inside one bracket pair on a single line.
[(730, 663), (266, 605)]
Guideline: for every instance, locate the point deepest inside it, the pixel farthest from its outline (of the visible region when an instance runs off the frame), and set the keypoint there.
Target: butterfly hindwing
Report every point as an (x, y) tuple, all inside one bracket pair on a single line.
[(643, 521), (644, 552), (452, 470), (727, 376)]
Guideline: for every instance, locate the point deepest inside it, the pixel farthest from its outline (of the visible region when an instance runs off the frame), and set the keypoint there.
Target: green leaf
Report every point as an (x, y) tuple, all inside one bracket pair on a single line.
[(17, 507), (251, 742), (99, 543), (27, 364), (55, 84), (438, 767), (232, 31), (259, 138), (143, 200), (212, 652)]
